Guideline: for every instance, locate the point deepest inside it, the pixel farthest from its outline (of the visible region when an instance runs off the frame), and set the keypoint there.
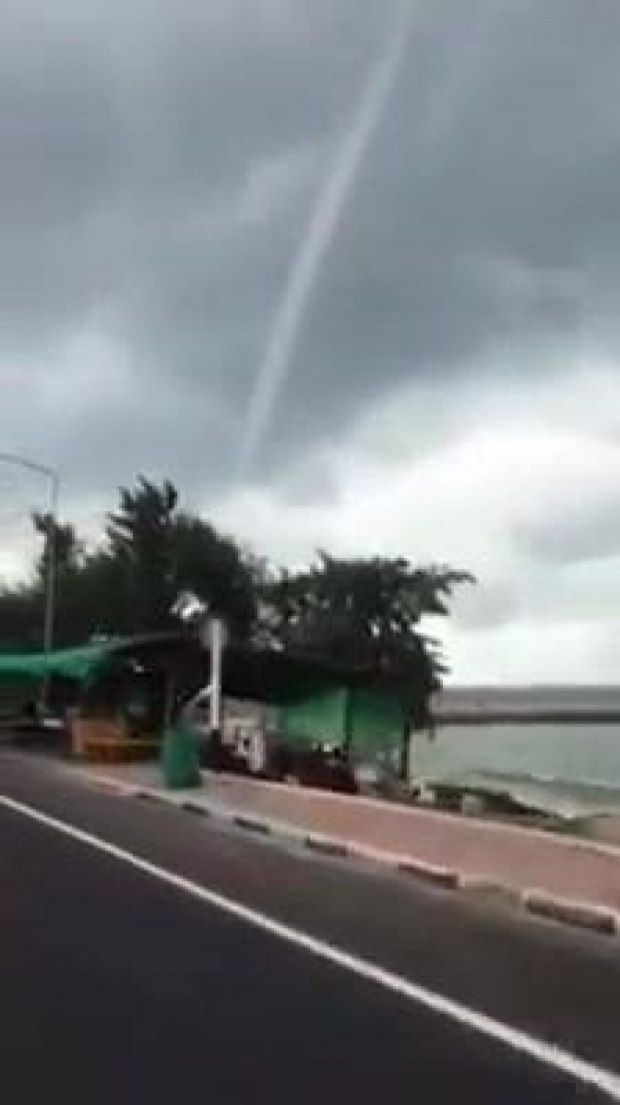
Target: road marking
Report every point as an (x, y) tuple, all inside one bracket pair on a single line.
[(516, 1040)]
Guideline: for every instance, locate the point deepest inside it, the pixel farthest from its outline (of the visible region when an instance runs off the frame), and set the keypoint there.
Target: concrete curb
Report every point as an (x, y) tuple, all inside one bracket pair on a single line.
[(501, 828), (442, 877), (251, 824), (535, 902), (113, 786), (482, 889), (325, 846), (579, 914), (195, 808)]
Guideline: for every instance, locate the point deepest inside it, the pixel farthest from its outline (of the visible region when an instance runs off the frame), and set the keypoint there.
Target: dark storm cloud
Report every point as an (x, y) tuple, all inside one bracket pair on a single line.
[(132, 132), (501, 227)]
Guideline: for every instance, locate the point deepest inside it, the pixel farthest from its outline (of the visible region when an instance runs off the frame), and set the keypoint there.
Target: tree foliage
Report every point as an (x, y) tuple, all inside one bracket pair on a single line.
[(140, 539), (366, 611)]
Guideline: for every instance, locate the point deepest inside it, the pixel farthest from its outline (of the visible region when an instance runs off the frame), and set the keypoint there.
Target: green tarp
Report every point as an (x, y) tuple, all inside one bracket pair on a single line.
[(70, 663), (378, 721), (320, 707), (374, 720), (321, 717)]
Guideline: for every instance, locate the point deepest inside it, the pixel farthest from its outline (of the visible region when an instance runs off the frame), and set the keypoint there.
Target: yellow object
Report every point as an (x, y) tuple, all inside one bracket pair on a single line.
[(108, 740)]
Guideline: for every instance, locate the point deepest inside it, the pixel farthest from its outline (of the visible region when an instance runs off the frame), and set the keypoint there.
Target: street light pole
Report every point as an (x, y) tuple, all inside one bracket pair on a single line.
[(50, 580), (50, 574)]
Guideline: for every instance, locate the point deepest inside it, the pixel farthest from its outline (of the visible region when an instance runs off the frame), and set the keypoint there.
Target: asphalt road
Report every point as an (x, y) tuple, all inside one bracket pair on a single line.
[(117, 987)]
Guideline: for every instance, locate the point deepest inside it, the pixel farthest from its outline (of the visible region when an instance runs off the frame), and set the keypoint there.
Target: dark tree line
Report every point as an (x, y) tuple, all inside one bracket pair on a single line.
[(361, 610)]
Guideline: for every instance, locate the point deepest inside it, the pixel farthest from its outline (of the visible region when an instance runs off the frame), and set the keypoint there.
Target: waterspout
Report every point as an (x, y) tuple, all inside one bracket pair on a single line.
[(326, 214)]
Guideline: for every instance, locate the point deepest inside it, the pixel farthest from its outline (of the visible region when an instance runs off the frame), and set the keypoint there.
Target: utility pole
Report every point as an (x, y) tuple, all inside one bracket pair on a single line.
[(49, 613)]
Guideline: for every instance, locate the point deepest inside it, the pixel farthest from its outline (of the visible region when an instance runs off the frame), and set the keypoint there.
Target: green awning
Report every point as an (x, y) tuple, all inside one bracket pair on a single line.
[(69, 663), (249, 672), (374, 720)]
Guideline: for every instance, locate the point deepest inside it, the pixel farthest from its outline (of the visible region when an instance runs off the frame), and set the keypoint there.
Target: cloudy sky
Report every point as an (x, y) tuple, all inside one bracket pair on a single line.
[(453, 392)]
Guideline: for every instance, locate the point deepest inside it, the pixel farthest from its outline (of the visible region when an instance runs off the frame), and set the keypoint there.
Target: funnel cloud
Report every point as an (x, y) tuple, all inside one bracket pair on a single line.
[(306, 269)]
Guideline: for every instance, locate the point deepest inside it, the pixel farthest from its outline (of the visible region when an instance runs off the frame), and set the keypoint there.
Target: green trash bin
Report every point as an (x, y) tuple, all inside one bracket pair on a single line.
[(179, 758)]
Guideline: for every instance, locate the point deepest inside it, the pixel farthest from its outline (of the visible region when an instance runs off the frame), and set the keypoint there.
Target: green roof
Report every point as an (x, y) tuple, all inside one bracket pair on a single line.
[(265, 675), (70, 663)]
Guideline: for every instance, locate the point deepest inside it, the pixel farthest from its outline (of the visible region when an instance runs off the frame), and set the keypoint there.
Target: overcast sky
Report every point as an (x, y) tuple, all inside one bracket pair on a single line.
[(454, 392)]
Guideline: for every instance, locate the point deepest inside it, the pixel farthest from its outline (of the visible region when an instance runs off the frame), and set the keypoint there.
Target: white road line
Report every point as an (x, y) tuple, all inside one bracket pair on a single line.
[(545, 1053)]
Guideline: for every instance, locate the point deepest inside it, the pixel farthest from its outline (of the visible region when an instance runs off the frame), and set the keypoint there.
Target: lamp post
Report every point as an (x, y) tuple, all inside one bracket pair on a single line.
[(50, 574), (213, 636)]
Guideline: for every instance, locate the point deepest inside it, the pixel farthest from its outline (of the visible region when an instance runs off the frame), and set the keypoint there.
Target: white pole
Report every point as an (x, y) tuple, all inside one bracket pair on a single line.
[(215, 700), (50, 580)]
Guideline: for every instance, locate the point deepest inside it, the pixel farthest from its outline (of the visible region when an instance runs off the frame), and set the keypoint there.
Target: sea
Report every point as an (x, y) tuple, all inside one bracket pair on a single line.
[(570, 770)]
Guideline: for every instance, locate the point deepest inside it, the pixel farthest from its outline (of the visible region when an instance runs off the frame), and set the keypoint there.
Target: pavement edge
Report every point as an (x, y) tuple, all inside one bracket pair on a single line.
[(533, 901)]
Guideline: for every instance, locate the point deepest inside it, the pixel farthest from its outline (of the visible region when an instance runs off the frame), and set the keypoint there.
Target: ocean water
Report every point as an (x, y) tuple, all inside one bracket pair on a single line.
[(569, 768)]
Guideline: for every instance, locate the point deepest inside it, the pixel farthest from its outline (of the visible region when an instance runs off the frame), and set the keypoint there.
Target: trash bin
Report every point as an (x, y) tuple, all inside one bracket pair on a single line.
[(179, 758)]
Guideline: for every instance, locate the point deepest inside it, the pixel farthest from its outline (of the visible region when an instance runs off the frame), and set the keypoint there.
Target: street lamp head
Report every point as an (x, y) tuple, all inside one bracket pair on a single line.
[(189, 608)]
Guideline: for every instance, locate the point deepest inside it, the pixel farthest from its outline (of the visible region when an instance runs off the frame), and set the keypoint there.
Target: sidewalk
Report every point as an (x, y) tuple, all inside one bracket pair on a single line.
[(465, 851)]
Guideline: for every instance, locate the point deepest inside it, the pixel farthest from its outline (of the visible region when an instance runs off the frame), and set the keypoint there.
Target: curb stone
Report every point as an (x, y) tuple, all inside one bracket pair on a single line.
[(149, 796), (327, 847), (479, 888), (251, 824), (196, 808), (577, 914), (426, 872), (112, 786)]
